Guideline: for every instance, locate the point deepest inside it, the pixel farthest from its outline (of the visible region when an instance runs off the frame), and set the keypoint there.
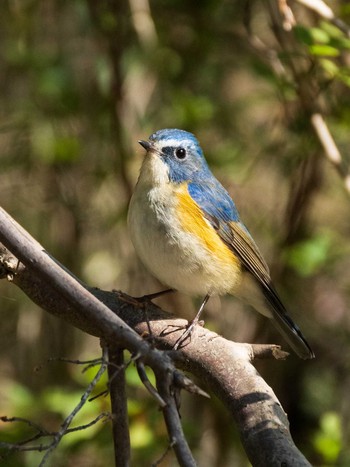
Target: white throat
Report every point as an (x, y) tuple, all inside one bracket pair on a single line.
[(153, 171)]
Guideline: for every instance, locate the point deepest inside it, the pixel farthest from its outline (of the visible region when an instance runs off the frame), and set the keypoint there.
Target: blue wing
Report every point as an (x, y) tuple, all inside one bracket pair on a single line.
[(214, 200), (219, 209)]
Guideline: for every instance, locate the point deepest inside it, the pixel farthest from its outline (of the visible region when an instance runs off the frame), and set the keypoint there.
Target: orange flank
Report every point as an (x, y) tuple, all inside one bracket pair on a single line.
[(193, 221)]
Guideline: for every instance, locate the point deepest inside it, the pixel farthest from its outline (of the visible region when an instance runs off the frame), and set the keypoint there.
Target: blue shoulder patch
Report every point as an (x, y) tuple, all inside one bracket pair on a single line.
[(214, 200)]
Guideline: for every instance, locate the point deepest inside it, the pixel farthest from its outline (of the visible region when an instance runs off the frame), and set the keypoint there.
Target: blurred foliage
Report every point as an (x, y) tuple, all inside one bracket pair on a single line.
[(328, 440), (82, 81)]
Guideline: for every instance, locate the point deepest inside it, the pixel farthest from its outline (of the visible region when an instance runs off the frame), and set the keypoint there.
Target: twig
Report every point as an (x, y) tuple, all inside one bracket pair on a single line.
[(172, 421), (330, 148), (287, 15), (57, 436), (319, 7), (99, 417), (323, 10), (141, 371), (163, 456), (88, 363), (69, 419), (42, 432), (262, 351)]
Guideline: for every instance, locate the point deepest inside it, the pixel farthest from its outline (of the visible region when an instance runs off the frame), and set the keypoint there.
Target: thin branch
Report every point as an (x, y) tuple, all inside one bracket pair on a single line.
[(148, 385), (326, 12), (330, 148), (87, 363), (163, 456), (69, 419), (42, 433), (319, 7), (172, 419), (309, 90)]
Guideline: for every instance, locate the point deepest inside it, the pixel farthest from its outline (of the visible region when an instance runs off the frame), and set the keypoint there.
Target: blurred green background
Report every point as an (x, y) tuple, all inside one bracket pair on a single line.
[(81, 81)]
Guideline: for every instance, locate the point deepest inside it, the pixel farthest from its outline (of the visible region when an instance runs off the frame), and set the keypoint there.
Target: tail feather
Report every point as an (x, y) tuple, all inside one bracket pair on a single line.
[(292, 334), (286, 326)]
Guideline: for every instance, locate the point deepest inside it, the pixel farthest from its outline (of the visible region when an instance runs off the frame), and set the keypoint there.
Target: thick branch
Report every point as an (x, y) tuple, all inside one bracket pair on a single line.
[(87, 307), (223, 365)]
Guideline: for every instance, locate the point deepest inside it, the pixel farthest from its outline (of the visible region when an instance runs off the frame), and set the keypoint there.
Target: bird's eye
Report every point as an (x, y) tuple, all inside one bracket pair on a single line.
[(180, 153)]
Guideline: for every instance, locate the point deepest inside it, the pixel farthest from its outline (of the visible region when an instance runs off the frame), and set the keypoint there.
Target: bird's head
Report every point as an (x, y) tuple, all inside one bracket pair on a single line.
[(173, 156)]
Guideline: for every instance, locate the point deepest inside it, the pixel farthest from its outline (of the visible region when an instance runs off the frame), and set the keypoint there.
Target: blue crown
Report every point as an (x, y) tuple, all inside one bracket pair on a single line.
[(173, 133)]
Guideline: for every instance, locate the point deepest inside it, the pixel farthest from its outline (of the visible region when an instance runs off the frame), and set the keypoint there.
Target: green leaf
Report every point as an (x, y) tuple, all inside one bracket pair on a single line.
[(328, 439), (330, 67), (310, 36), (325, 50), (331, 29), (66, 149), (303, 34), (309, 256)]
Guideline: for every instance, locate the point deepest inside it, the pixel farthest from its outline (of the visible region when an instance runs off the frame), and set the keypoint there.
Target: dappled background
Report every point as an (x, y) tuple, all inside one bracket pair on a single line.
[(81, 81)]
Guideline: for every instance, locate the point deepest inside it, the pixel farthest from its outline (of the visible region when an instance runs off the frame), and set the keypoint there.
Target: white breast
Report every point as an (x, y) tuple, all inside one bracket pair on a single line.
[(176, 258)]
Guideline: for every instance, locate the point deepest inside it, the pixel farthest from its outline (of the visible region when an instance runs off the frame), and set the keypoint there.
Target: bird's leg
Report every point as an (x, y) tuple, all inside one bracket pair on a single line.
[(191, 324)]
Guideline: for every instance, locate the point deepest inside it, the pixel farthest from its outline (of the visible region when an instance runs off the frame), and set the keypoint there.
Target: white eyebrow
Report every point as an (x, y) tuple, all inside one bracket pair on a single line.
[(175, 142)]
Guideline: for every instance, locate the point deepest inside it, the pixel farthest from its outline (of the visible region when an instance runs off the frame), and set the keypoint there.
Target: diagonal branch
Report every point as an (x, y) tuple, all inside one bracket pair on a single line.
[(325, 12), (330, 148), (223, 365), (88, 308)]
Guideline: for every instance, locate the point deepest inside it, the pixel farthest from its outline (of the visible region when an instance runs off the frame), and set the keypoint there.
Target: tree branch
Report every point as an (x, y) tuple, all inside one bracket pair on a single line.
[(87, 307), (325, 12), (309, 90), (117, 391), (223, 365), (330, 148)]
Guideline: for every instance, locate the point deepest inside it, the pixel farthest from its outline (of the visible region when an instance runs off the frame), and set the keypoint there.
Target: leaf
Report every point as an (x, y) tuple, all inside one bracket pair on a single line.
[(309, 256), (330, 67), (328, 439), (325, 50)]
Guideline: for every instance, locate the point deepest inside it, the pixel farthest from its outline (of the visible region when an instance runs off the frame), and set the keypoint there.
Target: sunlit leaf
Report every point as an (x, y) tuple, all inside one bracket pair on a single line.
[(331, 67), (328, 440), (324, 50), (309, 256)]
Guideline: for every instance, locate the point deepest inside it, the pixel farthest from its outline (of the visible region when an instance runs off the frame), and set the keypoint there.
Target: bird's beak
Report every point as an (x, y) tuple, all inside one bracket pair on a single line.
[(145, 144)]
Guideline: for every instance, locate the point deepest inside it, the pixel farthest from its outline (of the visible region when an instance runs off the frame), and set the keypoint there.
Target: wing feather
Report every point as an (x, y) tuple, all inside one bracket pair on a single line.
[(218, 208)]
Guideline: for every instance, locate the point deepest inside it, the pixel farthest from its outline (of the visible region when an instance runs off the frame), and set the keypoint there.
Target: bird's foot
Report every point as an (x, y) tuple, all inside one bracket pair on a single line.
[(188, 332)]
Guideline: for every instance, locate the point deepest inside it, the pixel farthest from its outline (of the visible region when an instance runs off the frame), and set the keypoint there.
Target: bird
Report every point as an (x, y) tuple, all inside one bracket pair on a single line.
[(187, 231)]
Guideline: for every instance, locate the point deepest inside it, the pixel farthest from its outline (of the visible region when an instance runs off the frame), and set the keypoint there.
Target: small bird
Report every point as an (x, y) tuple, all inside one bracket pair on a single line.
[(187, 231)]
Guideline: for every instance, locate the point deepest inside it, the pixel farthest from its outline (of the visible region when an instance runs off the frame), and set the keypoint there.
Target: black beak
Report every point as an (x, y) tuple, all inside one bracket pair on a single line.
[(145, 144)]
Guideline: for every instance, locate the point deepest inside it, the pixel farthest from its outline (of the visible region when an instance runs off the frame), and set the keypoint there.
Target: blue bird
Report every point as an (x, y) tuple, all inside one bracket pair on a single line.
[(187, 231)]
